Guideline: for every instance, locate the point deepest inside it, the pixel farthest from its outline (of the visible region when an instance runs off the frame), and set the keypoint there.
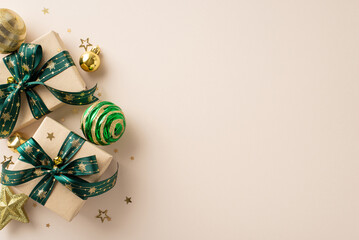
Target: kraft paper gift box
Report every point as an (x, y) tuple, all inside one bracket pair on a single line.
[(62, 201), (69, 80)]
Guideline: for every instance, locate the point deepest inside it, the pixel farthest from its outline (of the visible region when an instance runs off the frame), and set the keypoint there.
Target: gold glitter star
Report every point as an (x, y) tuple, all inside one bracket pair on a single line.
[(85, 43), (69, 97), (4, 132), (82, 167), (69, 30), (6, 117), (48, 225), (50, 136), (51, 65), (128, 200), (7, 159), (41, 194), (92, 190), (12, 207), (28, 149), (45, 10), (103, 215), (38, 172)]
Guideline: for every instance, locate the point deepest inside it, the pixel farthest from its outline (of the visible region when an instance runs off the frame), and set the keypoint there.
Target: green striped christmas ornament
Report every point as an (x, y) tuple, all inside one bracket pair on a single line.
[(103, 123)]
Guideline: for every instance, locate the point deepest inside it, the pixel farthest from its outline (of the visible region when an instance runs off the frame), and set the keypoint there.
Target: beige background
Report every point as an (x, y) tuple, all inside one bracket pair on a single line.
[(243, 118)]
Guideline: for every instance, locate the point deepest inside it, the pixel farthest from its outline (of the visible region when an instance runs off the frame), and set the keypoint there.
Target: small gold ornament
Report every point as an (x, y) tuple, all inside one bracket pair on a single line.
[(12, 207), (90, 61), (57, 160), (12, 30), (11, 80), (15, 141)]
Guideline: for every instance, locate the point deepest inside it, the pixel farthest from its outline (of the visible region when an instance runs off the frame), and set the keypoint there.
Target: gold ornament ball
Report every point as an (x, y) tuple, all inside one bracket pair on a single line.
[(90, 61), (12, 31)]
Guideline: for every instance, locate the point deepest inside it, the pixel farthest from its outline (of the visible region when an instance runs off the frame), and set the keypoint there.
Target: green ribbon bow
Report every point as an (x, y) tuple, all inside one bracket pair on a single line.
[(23, 67), (61, 170)]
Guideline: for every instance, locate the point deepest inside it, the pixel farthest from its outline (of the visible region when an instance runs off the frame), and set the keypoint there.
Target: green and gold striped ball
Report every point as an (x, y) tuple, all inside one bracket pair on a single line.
[(103, 123), (12, 30)]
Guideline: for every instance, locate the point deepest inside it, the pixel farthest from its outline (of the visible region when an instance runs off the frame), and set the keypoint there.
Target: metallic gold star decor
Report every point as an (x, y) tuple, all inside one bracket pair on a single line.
[(7, 159), (132, 158), (85, 44), (128, 200), (12, 207), (103, 215), (45, 10), (48, 225), (50, 136)]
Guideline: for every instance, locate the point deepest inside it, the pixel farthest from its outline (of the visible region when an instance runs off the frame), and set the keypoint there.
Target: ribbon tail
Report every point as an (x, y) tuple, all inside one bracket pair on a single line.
[(43, 189), (9, 113), (84, 189), (13, 178)]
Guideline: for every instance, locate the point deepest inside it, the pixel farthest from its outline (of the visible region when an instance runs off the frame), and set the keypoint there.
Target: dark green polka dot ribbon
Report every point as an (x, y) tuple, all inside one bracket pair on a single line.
[(60, 169), (26, 74)]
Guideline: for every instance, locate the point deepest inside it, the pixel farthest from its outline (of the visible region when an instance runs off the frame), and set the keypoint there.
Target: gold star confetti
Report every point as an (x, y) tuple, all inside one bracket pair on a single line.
[(34, 205), (132, 158), (115, 150), (45, 10), (48, 225), (62, 119), (103, 215), (50, 136), (7, 159), (12, 207), (69, 30), (99, 94), (74, 110), (128, 200), (85, 44), (82, 167)]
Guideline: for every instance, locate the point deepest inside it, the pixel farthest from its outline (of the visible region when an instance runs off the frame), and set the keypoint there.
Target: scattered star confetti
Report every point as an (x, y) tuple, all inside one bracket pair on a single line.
[(69, 30), (75, 110), (7, 159), (99, 94), (62, 119), (115, 150), (128, 200), (50, 136), (85, 44), (34, 205), (48, 225), (103, 215), (45, 10), (132, 158)]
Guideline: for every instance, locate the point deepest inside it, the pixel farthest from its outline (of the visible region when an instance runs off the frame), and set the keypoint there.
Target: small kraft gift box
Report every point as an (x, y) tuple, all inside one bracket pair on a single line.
[(38, 78), (59, 169)]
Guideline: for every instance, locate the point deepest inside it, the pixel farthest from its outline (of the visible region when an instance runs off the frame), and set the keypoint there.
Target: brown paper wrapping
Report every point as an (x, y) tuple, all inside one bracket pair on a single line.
[(69, 80), (62, 201)]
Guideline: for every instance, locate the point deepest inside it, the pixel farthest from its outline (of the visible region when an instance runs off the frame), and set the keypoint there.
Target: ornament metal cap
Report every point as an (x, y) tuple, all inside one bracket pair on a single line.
[(96, 50)]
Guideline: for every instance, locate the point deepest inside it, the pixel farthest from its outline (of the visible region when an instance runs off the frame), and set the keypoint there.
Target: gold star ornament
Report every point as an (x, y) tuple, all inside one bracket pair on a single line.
[(128, 200), (50, 136), (85, 43), (45, 10), (12, 207)]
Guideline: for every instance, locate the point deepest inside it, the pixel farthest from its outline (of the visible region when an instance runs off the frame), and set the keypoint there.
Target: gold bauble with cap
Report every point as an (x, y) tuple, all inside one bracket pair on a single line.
[(90, 61), (12, 31)]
